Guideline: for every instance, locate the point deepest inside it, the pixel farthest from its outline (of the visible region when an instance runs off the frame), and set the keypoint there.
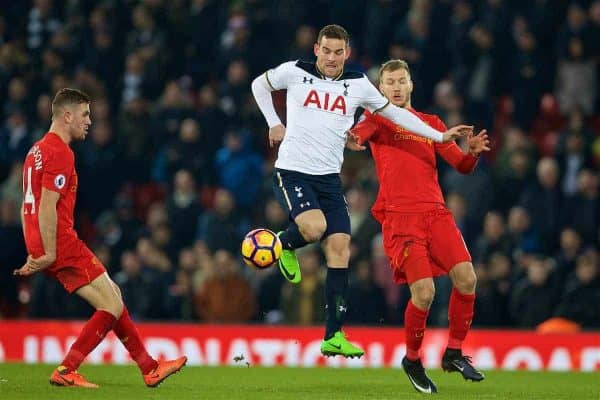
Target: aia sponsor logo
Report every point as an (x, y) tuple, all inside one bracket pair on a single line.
[(325, 101)]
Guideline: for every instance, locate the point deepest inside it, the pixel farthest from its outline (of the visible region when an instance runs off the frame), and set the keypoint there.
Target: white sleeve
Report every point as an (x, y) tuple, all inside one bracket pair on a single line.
[(278, 78), (411, 122), (375, 102), (262, 95)]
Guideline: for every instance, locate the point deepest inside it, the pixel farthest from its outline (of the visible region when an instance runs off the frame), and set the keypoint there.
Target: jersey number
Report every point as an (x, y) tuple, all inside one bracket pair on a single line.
[(29, 198)]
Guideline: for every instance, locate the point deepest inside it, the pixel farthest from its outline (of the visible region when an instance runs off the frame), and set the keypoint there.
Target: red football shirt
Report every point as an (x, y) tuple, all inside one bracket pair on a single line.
[(49, 164), (406, 163)]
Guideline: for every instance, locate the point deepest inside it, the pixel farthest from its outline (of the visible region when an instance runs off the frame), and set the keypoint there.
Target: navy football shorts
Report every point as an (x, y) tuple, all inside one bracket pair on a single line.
[(297, 192)]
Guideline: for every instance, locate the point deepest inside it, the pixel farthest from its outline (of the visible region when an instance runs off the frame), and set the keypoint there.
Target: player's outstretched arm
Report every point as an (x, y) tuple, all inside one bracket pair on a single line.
[(412, 123), (47, 217), (262, 95), (478, 143)]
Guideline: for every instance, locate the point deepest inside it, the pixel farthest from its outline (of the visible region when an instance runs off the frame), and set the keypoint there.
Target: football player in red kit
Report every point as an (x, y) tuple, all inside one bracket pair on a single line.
[(49, 190), (419, 233)]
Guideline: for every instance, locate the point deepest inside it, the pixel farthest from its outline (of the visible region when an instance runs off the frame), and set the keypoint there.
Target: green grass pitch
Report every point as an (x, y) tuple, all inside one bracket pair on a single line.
[(21, 381)]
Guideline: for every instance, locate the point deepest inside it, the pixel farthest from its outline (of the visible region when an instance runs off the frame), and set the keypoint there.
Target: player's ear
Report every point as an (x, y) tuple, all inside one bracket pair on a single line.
[(348, 52), (316, 49), (67, 115)]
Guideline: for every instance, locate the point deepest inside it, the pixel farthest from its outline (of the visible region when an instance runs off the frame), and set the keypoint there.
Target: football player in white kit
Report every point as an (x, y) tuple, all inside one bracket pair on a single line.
[(322, 98)]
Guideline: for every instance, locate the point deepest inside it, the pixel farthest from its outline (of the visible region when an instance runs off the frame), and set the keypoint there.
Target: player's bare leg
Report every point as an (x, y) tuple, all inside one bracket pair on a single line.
[(460, 315), (108, 304), (308, 227), (337, 253), (422, 292), (153, 372)]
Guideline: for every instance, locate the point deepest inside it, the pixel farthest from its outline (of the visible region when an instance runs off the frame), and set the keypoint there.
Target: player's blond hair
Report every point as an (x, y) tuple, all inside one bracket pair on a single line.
[(333, 32), (68, 96), (393, 65)]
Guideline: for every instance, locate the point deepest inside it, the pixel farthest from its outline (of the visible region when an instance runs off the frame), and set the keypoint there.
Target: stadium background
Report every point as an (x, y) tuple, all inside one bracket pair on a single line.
[(176, 167)]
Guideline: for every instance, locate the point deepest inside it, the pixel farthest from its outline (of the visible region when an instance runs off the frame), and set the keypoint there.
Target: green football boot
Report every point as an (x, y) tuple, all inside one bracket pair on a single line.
[(288, 265), (339, 345)]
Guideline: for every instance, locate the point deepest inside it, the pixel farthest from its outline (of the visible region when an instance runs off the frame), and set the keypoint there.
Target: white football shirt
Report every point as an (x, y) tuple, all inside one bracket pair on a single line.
[(319, 112)]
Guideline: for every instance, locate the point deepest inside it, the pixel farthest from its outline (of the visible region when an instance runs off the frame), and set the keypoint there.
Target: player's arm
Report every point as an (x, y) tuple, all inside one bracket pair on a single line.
[(463, 162), (23, 219), (262, 86), (414, 124), (378, 104), (47, 217), (364, 130)]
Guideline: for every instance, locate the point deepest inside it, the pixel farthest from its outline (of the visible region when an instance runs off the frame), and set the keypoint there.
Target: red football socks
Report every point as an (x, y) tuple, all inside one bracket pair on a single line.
[(415, 320), (91, 335), (129, 336), (460, 315)]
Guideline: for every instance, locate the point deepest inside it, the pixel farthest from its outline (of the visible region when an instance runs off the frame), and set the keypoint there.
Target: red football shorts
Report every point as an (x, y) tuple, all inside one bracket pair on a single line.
[(422, 244), (76, 266)]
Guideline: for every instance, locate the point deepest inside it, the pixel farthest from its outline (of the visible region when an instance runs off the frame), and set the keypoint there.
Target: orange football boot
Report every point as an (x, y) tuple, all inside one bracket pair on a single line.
[(163, 371), (60, 377)]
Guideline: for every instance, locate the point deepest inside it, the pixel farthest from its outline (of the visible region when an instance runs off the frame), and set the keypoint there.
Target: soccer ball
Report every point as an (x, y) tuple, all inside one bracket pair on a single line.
[(261, 248)]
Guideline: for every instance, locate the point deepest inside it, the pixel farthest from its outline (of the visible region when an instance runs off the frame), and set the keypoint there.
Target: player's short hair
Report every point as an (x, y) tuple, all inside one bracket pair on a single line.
[(333, 32), (393, 65), (68, 96)]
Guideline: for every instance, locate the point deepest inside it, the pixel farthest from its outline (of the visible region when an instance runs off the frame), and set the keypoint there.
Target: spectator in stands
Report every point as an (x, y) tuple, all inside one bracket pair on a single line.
[(11, 253), (141, 287), (183, 208), (362, 223), (222, 227), (215, 300), (543, 201), (494, 239), (239, 169), (523, 237), (570, 249), (366, 302), (302, 304), (582, 210), (534, 297), (493, 291), (581, 298)]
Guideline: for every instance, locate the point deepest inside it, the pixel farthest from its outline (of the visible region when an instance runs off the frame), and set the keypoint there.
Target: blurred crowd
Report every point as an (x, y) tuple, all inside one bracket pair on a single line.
[(176, 168)]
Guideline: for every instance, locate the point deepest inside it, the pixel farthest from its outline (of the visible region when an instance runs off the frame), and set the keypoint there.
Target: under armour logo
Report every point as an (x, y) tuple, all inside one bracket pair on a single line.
[(346, 86), (342, 309), (298, 190), (307, 204), (307, 80)]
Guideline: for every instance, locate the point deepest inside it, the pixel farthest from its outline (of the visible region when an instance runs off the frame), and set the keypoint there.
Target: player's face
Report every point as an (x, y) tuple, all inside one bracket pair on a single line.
[(80, 120), (397, 87), (331, 55)]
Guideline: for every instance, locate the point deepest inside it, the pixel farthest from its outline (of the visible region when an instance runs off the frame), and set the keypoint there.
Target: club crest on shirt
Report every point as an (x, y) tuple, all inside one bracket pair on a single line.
[(59, 181)]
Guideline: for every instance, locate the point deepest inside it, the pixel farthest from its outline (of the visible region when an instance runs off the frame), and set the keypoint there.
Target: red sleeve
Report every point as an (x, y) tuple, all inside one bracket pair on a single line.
[(463, 163), (57, 172), (366, 128)]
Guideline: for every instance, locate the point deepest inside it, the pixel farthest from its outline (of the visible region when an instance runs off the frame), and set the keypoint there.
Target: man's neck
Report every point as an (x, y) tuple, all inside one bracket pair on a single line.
[(61, 133)]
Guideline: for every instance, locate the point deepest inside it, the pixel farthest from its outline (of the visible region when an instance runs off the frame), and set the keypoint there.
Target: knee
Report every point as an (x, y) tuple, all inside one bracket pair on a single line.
[(466, 281), (312, 231), (338, 249), (115, 304), (423, 294), (116, 308)]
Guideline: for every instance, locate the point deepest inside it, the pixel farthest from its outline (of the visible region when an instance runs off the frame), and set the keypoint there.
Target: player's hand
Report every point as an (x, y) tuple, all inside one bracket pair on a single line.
[(478, 143), (352, 142), (456, 132), (34, 265), (276, 134)]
